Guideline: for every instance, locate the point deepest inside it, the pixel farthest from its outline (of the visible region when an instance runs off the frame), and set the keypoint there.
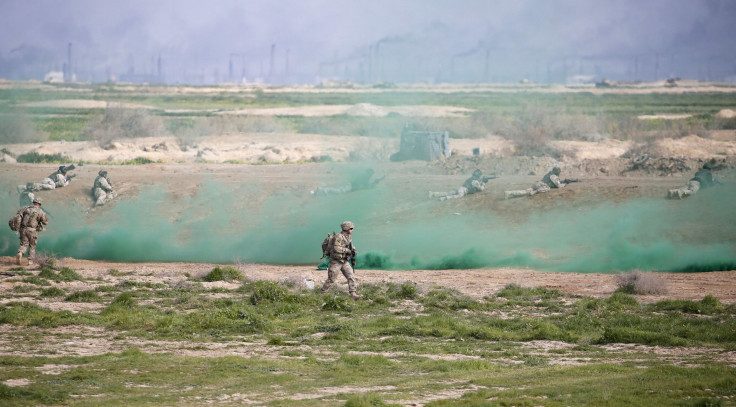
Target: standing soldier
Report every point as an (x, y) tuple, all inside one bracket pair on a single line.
[(342, 259), (102, 189), (33, 220), (703, 179), (549, 181)]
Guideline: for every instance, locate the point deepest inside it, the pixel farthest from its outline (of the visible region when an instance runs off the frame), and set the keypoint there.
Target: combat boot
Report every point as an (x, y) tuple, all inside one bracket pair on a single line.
[(18, 258), (355, 296)]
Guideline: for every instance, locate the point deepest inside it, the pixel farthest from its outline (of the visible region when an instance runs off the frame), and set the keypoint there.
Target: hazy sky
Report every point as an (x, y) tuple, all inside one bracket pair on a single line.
[(370, 40)]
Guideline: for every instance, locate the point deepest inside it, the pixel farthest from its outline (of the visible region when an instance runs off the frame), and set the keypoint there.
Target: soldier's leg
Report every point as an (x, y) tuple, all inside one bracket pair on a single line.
[(458, 193), (517, 193), (347, 271), (691, 188), (24, 243), (32, 240), (47, 184), (332, 270), (99, 196)]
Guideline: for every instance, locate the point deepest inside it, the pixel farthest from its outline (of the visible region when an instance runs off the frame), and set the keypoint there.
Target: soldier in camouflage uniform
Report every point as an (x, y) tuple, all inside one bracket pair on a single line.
[(471, 185), (102, 189), (703, 179), (57, 179), (340, 260), (549, 181), (362, 181), (27, 195), (33, 221)]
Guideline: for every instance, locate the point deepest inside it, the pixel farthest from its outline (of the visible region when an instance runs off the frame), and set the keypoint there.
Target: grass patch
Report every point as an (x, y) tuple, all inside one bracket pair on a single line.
[(227, 273)]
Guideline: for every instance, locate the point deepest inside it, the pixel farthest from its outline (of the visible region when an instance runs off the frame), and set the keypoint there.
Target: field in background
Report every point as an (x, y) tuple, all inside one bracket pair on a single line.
[(435, 328), (529, 116)]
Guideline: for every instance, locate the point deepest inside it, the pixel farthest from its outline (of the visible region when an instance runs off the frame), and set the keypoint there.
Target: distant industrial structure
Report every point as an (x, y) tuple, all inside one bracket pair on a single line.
[(389, 60)]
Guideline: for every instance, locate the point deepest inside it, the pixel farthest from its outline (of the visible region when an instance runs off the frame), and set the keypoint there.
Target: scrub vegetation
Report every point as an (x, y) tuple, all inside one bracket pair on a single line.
[(203, 341), (528, 117)]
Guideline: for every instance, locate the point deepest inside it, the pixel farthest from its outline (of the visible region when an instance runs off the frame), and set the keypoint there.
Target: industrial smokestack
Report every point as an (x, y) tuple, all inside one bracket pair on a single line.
[(68, 71), (272, 67)]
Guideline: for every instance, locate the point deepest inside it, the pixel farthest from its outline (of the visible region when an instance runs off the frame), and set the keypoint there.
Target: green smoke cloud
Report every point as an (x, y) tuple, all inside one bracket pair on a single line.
[(221, 224)]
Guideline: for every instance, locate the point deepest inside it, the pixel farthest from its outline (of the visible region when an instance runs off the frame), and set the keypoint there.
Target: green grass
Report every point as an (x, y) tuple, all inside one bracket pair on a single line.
[(513, 115), (370, 352)]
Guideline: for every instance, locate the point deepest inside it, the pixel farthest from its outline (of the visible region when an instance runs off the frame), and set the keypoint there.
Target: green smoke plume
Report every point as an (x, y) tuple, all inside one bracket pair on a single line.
[(222, 224)]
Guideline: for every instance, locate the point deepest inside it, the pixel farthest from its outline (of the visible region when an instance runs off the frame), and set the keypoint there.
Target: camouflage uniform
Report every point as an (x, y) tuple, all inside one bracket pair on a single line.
[(102, 189), (549, 181), (56, 180), (339, 262), (362, 181), (33, 221), (702, 179), (27, 195), (471, 185)]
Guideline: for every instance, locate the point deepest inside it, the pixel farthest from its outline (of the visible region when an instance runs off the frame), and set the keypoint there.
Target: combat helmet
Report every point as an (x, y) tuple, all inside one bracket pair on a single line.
[(347, 225), (103, 173), (708, 165), (62, 169), (557, 170), (37, 200), (30, 186)]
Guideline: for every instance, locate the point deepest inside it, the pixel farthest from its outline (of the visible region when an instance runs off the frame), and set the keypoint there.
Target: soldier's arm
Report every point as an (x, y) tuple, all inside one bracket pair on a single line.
[(556, 180), (105, 185)]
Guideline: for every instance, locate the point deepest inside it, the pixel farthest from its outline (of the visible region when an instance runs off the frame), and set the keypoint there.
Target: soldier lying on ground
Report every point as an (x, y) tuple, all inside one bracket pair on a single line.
[(549, 181), (362, 181), (476, 183), (703, 179), (58, 179)]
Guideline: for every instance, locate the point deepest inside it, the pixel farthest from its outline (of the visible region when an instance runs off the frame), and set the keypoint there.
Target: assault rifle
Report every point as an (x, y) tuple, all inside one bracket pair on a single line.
[(570, 180), (486, 179), (70, 176), (351, 256)]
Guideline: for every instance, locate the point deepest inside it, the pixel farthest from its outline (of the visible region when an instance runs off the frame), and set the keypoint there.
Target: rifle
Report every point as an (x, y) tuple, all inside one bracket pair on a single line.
[(70, 176), (351, 256), (486, 179), (570, 180), (377, 180)]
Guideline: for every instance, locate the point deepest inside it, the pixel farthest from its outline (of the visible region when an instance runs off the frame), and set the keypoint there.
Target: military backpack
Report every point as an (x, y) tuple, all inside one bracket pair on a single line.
[(17, 219), (327, 244)]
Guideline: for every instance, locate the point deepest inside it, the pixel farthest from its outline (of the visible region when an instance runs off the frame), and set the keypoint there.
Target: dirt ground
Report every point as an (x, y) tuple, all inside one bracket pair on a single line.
[(607, 176), (606, 168)]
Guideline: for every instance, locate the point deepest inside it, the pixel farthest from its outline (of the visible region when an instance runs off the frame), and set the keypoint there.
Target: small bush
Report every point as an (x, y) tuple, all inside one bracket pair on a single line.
[(46, 260), (118, 122), (337, 303), (365, 400), (124, 300), (52, 292), (37, 158), (636, 282), (268, 291), (67, 274), (227, 273), (83, 296)]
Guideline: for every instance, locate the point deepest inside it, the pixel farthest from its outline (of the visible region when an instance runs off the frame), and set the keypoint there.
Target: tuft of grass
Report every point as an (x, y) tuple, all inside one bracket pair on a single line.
[(52, 292), (227, 273), (83, 296), (39, 158)]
